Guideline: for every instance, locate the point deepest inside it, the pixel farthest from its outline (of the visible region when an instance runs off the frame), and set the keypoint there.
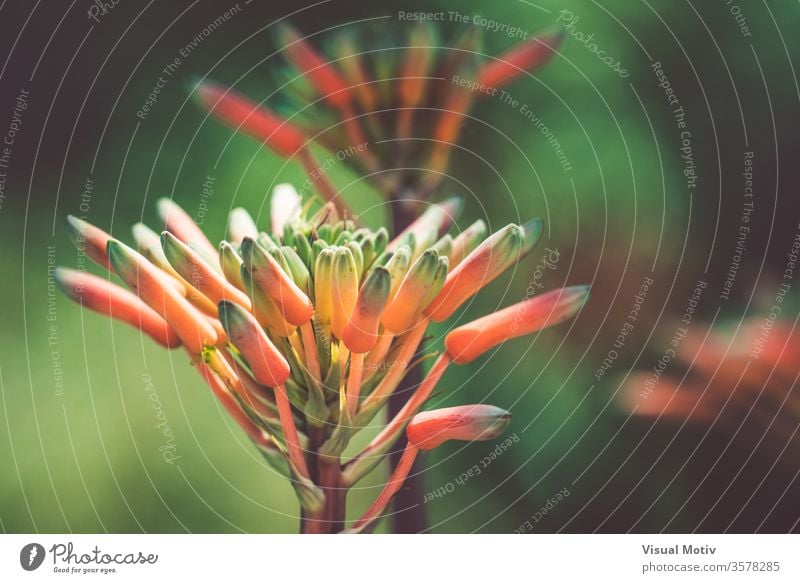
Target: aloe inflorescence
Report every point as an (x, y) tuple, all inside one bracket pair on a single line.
[(304, 332), (305, 329)]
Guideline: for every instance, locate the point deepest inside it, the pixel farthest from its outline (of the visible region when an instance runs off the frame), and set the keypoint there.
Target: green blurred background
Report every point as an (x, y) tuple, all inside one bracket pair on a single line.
[(78, 446)]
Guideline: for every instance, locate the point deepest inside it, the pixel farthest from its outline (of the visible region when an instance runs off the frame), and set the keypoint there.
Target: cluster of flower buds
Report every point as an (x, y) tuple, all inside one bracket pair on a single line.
[(303, 332), (394, 105), (741, 383)]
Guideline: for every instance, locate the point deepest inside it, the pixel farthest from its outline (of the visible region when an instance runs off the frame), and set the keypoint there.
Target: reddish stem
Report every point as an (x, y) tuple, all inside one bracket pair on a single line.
[(392, 486), (290, 431)]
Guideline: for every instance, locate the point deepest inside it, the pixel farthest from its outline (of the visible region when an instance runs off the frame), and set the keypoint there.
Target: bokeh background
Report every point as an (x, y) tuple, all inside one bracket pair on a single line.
[(79, 446)]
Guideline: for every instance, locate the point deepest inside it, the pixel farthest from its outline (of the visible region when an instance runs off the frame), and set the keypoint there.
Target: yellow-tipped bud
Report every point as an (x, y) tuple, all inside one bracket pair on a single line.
[(406, 305), (323, 288), (344, 291), (361, 331)]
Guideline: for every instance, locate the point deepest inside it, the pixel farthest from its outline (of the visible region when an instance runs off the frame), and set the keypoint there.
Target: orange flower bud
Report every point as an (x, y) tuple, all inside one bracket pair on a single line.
[(265, 310), (269, 366), (242, 114), (89, 239), (406, 305), (178, 222), (525, 57), (487, 262), (198, 273), (361, 331), (270, 277), (468, 342), (104, 297), (430, 429), (322, 75), (148, 282)]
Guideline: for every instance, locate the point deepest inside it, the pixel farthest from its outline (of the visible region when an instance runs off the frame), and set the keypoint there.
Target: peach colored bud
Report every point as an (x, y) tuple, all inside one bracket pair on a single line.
[(104, 297), (430, 225), (269, 366), (430, 429), (89, 239), (487, 262), (285, 206), (270, 277), (199, 274), (178, 222), (148, 282), (361, 331), (468, 342), (255, 121), (241, 225), (406, 305), (265, 310)]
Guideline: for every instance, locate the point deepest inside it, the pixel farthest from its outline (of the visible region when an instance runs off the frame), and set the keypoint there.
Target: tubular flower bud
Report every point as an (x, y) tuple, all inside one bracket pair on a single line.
[(269, 366), (483, 265), (321, 74), (149, 243), (323, 288), (284, 206), (270, 277), (525, 57), (89, 239), (231, 264), (265, 310), (406, 305), (361, 331), (198, 273), (144, 278), (532, 232), (431, 224), (242, 114), (430, 429), (297, 269), (241, 225), (468, 342), (466, 241), (178, 222), (344, 291), (397, 265), (106, 298)]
